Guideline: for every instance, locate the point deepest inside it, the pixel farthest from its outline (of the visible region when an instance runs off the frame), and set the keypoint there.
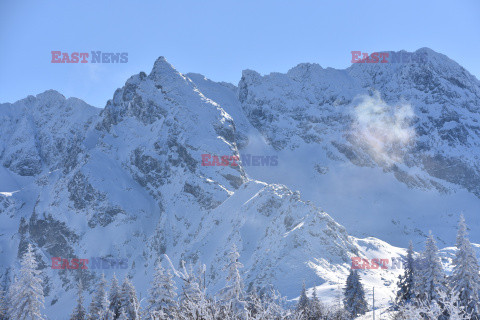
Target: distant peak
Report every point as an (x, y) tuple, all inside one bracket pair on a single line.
[(427, 51), (50, 94), (306, 66), (304, 70), (160, 60), (432, 55), (250, 73), (250, 76), (161, 66)]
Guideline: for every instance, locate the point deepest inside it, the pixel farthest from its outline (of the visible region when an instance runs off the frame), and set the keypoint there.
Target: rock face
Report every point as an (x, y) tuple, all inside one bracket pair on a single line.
[(43, 133), (398, 141), (374, 145), (432, 110)]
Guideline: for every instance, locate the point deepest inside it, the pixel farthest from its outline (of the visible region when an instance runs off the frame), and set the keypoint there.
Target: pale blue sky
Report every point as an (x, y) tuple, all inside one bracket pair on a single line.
[(216, 38)]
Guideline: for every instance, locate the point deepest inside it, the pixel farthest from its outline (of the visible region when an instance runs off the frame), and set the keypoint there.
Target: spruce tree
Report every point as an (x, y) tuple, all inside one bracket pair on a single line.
[(430, 278), (233, 290), (162, 294), (406, 283), (193, 303), (114, 297), (99, 306), (191, 290), (26, 293), (274, 305), (3, 305), (354, 295), (465, 279), (3, 295), (233, 294), (129, 299), (79, 313), (316, 307), (303, 304)]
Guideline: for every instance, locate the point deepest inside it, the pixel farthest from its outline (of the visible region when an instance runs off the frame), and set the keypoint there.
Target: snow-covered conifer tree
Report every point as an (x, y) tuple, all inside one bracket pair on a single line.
[(3, 305), (100, 306), (26, 293), (191, 297), (79, 313), (114, 297), (303, 305), (162, 294), (406, 282), (129, 300), (233, 290), (274, 305), (232, 294), (316, 307), (430, 278), (354, 295), (465, 279), (191, 290)]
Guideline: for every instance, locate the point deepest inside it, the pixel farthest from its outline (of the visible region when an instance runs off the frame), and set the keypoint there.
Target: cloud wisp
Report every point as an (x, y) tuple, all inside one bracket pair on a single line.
[(384, 130)]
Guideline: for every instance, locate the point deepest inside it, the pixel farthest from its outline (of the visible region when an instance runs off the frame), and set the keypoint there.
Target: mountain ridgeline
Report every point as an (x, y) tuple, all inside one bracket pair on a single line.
[(388, 150)]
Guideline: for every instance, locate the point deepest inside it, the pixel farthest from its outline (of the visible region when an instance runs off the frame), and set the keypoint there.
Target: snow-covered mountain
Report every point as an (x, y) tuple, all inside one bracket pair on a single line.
[(389, 150)]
